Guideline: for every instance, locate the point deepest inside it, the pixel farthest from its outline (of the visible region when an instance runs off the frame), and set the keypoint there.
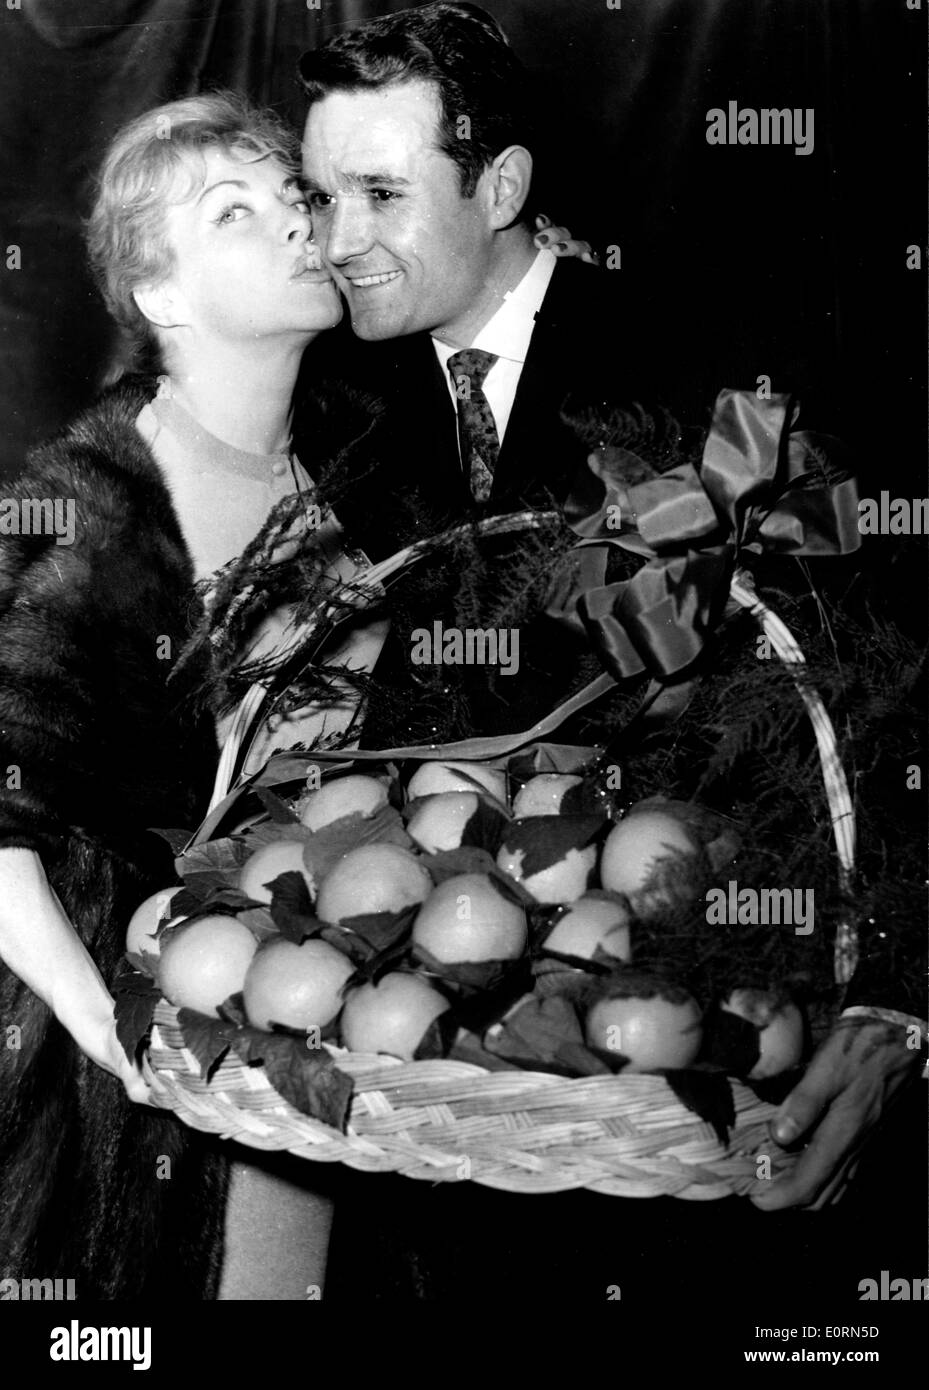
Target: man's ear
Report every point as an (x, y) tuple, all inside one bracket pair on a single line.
[(508, 180), (158, 303)]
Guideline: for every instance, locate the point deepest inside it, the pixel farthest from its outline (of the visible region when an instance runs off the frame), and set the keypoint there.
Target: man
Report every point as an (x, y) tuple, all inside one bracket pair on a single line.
[(418, 156), (419, 177)]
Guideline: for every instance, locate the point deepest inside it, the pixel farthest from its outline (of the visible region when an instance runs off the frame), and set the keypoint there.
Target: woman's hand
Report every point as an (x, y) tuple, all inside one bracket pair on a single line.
[(39, 944), (560, 240), (95, 1035)]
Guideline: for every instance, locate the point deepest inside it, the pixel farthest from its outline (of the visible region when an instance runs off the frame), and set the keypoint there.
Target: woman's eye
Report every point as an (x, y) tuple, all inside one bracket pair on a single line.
[(234, 213), (302, 204)]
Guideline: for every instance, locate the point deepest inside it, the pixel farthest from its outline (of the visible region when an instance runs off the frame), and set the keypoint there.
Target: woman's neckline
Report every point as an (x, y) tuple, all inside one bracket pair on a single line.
[(175, 417)]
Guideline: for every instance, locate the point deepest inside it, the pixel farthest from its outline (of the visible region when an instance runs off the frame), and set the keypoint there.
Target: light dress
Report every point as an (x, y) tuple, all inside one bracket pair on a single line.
[(277, 1229)]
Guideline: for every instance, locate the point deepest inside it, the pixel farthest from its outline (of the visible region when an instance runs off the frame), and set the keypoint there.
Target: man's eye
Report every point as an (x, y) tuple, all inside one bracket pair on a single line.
[(318, 201), (383, 195), (233, 213)]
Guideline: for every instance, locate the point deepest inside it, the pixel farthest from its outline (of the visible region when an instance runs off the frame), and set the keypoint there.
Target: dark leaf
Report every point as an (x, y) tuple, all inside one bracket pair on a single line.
[(177, 839), (467, 975), (730, 1042), (546, 840), (469, 1048), (482, 789), (135, 997), (775, 1089), (380, 930), (545, 1035), (272, 833), (327, 846), (477, 1010), (586, 799), (217, 857), (290, 767), (351, 946), (590, 965), (708, 1094), (291, 907), (233, 1010), (373, 966), (550, 757), (303, 1075), (183, 904), (450, 863), (259, 922), (558, 975), (485, 828), (207, 1038), (438, 1038), (277, 809), (149, 964)]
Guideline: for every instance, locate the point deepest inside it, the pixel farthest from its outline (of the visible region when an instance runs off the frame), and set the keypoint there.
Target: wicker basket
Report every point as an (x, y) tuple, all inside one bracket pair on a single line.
[(448, 1121), (520, 1131)]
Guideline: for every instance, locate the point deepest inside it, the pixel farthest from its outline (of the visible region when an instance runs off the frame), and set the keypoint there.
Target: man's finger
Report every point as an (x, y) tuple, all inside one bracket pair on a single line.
[(806, 1102), (837, 1139)]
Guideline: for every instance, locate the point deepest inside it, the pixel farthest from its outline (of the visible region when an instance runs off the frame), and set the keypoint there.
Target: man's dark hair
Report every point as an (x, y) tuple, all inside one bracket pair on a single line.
[(459, 48)]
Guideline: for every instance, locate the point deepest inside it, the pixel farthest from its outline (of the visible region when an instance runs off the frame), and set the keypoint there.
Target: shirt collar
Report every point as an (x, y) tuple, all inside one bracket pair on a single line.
[(508, 332)]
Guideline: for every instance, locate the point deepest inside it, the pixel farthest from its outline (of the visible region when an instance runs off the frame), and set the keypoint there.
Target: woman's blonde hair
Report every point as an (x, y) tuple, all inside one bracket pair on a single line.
[(158, 159)]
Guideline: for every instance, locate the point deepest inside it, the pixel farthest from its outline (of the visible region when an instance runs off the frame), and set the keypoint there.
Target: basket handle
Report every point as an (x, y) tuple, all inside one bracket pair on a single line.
[(841, 810)]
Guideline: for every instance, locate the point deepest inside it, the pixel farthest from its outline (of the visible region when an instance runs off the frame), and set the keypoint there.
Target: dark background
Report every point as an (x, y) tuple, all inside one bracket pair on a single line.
[(755, 258)]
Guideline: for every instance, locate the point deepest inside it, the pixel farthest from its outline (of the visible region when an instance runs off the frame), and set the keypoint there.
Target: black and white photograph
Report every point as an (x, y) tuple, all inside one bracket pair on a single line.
[(463, 685)]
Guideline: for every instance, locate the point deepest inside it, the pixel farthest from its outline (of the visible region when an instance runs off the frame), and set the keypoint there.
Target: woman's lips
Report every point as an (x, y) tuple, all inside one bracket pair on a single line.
[(315, 277)]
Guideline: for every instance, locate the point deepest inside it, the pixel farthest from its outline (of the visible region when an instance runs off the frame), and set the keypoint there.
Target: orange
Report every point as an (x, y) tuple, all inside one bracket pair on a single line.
[(372, 878), (145, 920), (298, 986), (205, 962), (391, 1016), (439, 820), (466, 919), (652, 1033), (346, 796), (589, 923), (268, 863)]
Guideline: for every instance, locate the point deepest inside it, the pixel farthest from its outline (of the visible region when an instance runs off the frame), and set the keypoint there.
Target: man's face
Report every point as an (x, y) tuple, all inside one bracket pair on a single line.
[(408, 251), (244, 266)]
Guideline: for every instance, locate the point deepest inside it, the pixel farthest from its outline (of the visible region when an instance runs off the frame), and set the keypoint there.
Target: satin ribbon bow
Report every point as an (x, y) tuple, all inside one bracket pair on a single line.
[(761, 487)]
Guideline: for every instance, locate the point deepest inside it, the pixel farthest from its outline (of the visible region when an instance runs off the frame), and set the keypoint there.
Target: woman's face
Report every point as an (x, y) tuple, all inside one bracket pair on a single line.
[(245, 267)]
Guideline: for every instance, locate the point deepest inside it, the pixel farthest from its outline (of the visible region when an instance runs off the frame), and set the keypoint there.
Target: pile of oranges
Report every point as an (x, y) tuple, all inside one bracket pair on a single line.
[(560, 885)]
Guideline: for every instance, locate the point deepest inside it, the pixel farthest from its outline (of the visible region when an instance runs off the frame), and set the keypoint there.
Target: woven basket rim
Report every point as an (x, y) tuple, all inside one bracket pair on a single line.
[(524, 1131)]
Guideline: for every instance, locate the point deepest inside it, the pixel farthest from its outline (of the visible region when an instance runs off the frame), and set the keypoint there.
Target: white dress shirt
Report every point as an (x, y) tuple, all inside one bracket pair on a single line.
[(506, 334)]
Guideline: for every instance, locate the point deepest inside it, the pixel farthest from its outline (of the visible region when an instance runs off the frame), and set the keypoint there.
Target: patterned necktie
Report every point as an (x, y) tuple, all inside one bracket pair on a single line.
[(477, 432)]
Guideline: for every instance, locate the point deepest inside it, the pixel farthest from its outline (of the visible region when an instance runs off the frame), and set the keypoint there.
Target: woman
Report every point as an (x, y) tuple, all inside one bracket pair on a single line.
[(201, 243)]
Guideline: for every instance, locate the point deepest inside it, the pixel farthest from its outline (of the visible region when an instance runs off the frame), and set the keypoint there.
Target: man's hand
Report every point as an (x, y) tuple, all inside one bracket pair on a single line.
[(560, 240), (855, 1073)]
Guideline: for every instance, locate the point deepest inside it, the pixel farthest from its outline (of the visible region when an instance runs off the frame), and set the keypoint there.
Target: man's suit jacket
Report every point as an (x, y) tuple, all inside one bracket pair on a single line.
[(588, 346), (587, 349)]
